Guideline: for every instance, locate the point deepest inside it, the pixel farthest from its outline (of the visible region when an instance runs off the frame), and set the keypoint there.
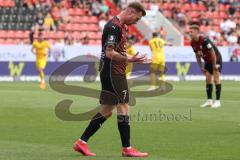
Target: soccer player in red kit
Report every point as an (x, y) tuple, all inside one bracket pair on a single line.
[(113, 79), (206, 50)]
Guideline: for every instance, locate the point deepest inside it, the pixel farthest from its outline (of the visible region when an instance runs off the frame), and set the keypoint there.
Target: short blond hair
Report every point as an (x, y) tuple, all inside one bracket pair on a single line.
[(194, 26)]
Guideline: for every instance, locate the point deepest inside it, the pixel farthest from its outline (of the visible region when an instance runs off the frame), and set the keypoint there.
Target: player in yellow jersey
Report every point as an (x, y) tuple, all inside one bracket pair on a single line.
[(156, 45), (41, 48), (131, 51)]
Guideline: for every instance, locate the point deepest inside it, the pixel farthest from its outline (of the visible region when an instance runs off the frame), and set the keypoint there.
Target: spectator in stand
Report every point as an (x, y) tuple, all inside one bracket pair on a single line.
[(55, 15), (96, 8), (39, 21), (68, 38), (86, 6), (75, 3), (57, 2), (162, 33), (228, 25), (29, 4), (102, 21), (46, 5), (235, 55), (232, 38), (64, 16), (49, 23), (85, 40), (103, 8), (212, 34), (182, 18), (31, 35), (203, 19), (77, 42)]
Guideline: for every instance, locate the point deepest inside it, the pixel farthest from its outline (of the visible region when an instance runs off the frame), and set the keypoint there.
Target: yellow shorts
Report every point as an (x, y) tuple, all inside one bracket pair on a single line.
[(129, 69), (158, 67), (41, 64)]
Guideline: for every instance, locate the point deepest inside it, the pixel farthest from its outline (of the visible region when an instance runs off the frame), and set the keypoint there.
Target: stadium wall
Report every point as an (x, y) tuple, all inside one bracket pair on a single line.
[(17, 63)]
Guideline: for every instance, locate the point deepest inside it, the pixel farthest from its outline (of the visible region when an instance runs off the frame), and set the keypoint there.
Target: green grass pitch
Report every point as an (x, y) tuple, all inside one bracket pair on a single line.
[(29, 129)]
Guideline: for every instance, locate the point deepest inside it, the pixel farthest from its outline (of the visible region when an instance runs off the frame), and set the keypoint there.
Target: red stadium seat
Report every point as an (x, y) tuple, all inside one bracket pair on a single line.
[(9, 3), (51, 35), (11, 34), (95, 35), (202, 28), (60, 34), (98, 42), (19, 34), (194, 7), (94, 42), (25, 34), (178, 5), (10, 41), (194, 14), (99, 35), (71, 12), (187, 6), (201, 7), (208, 14), (52, 41), (85, 19), (93, 27), (69, 27), (223, 15), (91, 35), (215, 15), (61, 27), (93, 19), (2, 34), (172, 5), (84, 27), (216, 21), (76, 34), (79, 12), (165, 6), (223, 7), (77, 19), (2, 41), (217, 28)]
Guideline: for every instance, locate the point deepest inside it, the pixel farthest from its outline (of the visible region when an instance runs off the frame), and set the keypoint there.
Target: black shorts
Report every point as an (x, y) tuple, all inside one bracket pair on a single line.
[(209, 67), (114, 90)]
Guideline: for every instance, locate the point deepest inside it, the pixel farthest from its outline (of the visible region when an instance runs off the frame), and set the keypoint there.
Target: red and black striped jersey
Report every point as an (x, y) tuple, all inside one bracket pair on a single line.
[(114, 34), (202, 47)]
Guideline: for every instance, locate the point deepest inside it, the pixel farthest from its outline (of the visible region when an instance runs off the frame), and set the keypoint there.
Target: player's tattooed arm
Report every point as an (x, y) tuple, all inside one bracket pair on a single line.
[(115, 56)]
